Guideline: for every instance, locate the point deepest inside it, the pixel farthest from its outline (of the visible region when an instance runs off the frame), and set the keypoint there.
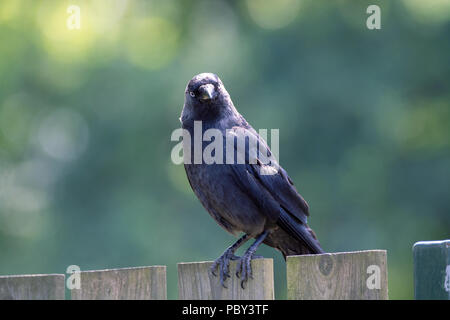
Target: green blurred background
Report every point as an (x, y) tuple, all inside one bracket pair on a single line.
[(86, 116)]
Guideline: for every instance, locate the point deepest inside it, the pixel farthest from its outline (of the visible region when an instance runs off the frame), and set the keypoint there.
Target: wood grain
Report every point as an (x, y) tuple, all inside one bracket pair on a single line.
[(195, 282), (338, 276), (141, 283), (32, 287)]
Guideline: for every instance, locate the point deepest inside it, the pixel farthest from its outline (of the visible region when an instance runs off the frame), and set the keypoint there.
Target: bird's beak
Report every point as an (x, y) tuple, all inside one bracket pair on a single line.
[(207, 92)]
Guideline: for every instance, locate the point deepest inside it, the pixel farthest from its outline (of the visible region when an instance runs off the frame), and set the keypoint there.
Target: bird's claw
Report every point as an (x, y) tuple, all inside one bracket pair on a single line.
[(244, 267), (223, 264)]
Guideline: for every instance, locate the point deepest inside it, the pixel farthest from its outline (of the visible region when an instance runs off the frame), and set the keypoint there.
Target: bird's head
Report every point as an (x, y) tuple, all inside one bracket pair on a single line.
[(205, 98), (204, 88)]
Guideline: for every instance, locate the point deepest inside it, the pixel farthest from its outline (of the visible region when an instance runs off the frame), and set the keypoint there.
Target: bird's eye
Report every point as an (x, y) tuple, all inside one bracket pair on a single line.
[(192, 94)]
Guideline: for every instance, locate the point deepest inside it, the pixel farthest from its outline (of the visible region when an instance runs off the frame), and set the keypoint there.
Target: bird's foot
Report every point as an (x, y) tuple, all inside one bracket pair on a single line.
[(244, 267), (223, 264)]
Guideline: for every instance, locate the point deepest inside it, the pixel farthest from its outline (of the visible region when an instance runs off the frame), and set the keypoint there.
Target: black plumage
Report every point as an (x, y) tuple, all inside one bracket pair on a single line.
[(255, 197)]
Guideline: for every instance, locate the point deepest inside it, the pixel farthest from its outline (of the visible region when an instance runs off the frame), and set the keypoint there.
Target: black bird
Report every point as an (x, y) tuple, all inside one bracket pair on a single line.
[(252, 197)]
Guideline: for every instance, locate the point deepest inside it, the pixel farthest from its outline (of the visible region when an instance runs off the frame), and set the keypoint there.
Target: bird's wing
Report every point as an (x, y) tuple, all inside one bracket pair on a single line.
[(270, 187), (261, 171)]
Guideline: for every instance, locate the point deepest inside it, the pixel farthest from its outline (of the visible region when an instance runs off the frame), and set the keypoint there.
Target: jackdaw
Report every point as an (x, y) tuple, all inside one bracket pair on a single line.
[(253, 197)]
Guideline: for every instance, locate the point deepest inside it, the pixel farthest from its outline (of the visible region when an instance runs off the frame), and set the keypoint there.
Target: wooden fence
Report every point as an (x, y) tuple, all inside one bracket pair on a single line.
[(347, 275), (432, 270)]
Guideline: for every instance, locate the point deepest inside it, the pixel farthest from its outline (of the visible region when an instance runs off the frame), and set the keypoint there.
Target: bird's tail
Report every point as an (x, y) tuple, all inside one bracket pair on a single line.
[(305, 236)]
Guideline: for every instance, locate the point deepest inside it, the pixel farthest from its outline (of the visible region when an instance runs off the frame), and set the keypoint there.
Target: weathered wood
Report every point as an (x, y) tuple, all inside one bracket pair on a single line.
[(32, 287), (141, 283), (197, 283), (335, 276), (432, 270)]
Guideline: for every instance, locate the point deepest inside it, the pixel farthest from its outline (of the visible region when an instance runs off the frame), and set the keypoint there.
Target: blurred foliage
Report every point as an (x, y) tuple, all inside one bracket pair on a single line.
[(86, 117)]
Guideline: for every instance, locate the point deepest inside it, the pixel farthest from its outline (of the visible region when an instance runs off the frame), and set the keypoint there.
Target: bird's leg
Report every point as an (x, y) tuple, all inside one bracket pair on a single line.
[(244, 268), (223, 262)]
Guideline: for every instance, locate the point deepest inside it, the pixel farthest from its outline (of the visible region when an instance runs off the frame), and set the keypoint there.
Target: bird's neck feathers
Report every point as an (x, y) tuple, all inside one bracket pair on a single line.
[(222, 115)]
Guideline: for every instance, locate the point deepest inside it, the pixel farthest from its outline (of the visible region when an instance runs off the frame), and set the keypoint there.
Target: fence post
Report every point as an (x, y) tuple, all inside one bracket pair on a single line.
[(32, 287), (141, 283), (197, 283), (337, 276), (432, 270)]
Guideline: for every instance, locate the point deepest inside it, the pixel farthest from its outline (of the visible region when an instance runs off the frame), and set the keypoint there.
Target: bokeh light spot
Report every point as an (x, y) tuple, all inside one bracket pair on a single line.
[(151, 43), (273, 14), (63, 134), (430, 11), (9, 10), (61, 42)]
